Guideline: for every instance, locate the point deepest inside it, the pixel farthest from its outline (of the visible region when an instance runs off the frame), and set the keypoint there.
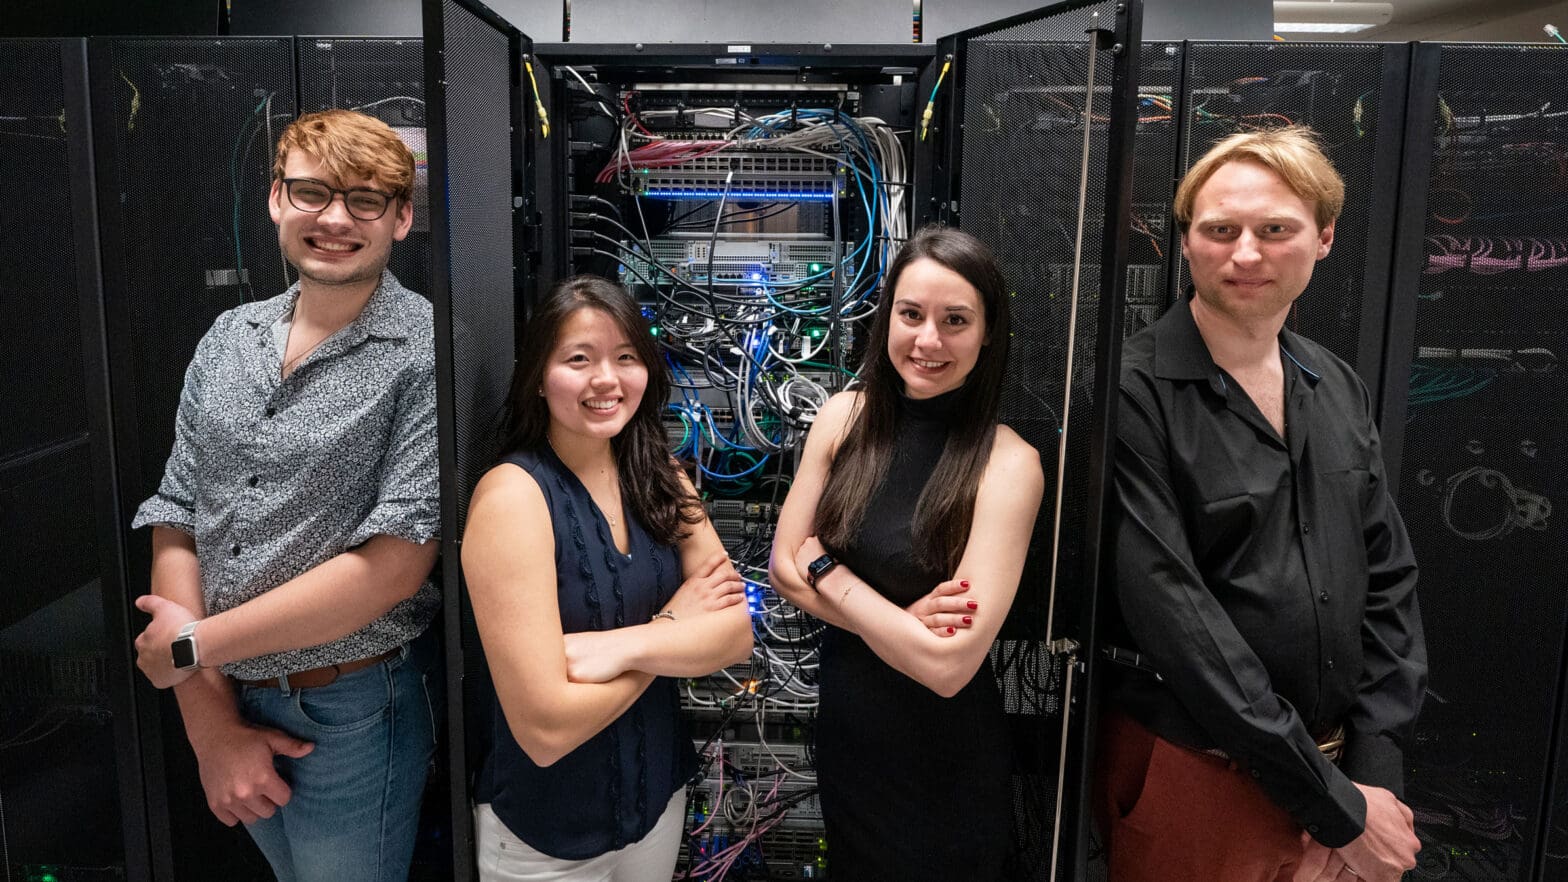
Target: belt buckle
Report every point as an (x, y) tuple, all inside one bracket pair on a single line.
[(1333, 745)]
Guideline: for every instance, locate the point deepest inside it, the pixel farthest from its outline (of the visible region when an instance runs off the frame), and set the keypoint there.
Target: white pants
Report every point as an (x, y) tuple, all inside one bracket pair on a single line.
[(505, 858)]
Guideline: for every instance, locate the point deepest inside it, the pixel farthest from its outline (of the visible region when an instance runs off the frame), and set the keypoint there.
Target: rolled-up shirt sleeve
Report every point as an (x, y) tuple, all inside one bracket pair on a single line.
[(1189, 637), (408, 502)]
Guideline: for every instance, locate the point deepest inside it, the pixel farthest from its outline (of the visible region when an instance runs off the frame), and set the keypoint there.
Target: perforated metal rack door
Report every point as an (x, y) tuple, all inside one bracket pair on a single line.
[(186, 130), (476, 120), (43, 413), (1152, 238), (182, 130), (1023, 90), (1023, 86), (1351, 95), (60, 758), (384, 78), (1480, 400), (39, 279)]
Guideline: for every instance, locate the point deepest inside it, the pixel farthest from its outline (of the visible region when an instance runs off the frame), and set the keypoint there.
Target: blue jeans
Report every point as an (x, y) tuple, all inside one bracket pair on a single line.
[(355, 806)]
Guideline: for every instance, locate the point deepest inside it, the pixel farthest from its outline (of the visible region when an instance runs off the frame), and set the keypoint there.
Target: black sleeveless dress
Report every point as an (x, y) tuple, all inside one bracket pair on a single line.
[(914, 786)]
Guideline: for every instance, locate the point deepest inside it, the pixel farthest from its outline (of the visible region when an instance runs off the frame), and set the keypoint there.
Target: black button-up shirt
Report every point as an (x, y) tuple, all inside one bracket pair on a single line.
[(1268, 580)]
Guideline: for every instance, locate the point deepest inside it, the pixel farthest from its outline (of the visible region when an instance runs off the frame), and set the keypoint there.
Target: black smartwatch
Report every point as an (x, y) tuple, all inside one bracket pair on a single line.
[(819, 568), (183, 649)]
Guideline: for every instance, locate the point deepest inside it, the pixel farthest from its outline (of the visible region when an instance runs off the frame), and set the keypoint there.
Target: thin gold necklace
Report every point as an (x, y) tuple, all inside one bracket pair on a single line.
[(295, 360), (284, 371), (603, 475)]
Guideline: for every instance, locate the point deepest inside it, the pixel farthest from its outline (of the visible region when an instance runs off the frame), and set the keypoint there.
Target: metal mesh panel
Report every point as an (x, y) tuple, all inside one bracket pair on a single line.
[(479, 208), (41, 401), (191, 125), (1024, 89), (480, 296), (1153, 237), (185, 130), (1334, 88), (1023, 140), (58, 765), (386, 79), (1485, 444)]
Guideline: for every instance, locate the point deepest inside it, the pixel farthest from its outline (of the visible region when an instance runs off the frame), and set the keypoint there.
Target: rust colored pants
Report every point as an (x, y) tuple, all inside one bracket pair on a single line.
[(1170, 814)]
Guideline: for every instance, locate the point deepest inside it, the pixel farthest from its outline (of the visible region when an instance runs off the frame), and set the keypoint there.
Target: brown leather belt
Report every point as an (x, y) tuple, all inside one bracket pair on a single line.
[(322, 676), (1332, 746)]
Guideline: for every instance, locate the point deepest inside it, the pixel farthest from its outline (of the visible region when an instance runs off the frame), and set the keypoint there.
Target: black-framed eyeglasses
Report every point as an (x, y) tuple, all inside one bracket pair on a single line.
[(313, 196)]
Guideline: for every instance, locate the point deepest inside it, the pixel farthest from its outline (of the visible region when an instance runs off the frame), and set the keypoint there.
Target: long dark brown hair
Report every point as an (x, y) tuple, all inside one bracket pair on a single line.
[(649, 477), (942, 516)]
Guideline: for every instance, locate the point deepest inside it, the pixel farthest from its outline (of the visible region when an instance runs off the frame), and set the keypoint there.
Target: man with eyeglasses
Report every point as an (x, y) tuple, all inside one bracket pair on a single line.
[(293, 531)]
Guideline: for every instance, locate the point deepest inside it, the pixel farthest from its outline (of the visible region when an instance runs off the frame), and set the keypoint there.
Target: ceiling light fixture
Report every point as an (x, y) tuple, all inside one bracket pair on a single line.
[(1318, 27), (1288, 13)]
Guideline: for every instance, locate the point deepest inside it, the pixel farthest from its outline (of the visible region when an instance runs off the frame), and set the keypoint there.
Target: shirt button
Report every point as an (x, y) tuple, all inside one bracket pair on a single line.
[(1323, 597), (1306, 528), (271, 411), (1312, 828), (256, 479), (1330, 664), (236, 549), (1256, 773)]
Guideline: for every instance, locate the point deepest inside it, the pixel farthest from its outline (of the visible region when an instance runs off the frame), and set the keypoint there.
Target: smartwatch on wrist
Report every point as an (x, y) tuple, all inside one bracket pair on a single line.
[(183, 649), (819, 568)]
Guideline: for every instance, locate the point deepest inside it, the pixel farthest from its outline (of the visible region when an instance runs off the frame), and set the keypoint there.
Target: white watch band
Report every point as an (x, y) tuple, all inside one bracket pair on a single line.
[(188, 632)]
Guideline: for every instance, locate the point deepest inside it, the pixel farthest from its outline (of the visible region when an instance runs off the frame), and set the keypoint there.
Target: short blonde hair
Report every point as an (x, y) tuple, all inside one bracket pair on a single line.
[(350, 145), (1292, 152)]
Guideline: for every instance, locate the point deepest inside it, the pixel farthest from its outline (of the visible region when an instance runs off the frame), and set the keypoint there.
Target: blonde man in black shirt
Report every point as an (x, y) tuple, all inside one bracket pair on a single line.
[(1262, 569)]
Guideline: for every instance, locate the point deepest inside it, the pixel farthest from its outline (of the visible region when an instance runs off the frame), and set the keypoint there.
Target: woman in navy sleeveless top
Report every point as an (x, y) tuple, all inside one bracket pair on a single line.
[(906, 530), (596, 582)]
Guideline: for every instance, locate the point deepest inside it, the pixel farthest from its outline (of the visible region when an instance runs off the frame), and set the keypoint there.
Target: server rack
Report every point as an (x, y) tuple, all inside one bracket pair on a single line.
[(1474, 428), (71, 803), (674, 88), (1462, 98), (179, 186), (474, 65)]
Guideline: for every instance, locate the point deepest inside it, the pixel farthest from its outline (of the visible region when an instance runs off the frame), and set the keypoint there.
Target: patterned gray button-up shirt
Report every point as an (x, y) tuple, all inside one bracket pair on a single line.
[(275, 476)]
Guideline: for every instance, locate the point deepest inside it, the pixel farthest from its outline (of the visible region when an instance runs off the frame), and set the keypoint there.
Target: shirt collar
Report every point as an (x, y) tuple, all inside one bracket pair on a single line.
[(1179, 350), (1181, 354), (384, 315)]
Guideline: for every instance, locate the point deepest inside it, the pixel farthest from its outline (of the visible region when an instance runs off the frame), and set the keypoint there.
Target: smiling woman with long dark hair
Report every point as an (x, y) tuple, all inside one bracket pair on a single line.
[(596, 580), (906, 530)]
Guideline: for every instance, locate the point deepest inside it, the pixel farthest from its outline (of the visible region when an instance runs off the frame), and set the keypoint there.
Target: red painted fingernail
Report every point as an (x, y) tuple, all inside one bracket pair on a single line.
[(969, 620), (964, 582), (973, 605), (951, 630)]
